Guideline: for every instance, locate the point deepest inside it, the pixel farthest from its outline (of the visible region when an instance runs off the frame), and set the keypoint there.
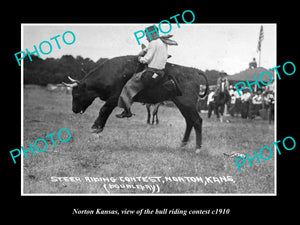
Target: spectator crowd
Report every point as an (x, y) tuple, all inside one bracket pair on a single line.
[(249, 105)]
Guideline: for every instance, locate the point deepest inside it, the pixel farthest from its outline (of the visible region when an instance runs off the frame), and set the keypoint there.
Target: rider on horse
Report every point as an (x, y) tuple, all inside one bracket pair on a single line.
[(222, 85)]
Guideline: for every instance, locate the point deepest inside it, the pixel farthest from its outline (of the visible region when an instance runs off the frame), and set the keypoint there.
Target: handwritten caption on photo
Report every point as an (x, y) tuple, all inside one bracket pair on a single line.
[(143, 184)]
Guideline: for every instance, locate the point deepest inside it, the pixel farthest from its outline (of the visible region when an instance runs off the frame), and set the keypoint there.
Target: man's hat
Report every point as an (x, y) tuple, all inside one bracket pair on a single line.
[(152, 31), (151, 28)]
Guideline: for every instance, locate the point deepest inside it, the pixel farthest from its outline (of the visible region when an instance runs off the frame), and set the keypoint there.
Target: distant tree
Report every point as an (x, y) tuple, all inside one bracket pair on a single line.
[(43, 71), (101, 60), (212, 76)]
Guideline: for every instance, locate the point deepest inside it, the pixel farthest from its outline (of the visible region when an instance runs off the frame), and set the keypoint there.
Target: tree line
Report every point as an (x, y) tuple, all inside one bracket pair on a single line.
[(44, 71), (53, 71)]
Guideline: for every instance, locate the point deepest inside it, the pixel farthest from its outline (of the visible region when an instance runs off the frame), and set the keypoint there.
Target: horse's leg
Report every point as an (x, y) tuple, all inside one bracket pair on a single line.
[(217, 110), (222, 109), (222, 106)]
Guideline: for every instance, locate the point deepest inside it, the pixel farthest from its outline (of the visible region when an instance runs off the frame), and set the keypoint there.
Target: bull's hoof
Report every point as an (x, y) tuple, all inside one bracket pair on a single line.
[(198, 151), (96, 129), (183, 144), (202, 152)]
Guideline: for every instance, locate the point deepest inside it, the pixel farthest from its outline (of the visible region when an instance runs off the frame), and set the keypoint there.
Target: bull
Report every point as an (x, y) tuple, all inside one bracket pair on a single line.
[(107, 80)]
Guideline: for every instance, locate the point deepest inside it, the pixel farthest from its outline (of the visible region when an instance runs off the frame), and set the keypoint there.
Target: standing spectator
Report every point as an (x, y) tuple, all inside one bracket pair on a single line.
[(231, 90), (238, 102), (232, 105), (253, 64), (202, 102), (270, 105), (210, 102), (256, 104), (245, 99)]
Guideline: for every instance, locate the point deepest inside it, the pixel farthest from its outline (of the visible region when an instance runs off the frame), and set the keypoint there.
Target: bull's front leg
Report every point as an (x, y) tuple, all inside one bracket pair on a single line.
[(104, 113)]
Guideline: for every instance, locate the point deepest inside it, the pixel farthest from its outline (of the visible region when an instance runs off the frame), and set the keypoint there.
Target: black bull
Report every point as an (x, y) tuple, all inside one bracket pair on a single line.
[(107, 80)]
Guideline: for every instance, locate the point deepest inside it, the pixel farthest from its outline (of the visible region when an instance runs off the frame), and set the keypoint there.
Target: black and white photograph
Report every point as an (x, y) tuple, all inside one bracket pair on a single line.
[(149, 109), (143, 110)]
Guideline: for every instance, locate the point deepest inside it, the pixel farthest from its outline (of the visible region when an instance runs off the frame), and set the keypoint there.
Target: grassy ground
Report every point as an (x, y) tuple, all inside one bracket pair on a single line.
[(130, 148)]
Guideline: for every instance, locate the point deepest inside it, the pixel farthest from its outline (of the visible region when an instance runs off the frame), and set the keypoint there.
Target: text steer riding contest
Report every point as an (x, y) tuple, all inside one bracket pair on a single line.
[(146, 78)]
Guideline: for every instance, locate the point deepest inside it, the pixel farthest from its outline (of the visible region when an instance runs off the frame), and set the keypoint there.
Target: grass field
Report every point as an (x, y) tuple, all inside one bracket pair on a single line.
[(131, 148)]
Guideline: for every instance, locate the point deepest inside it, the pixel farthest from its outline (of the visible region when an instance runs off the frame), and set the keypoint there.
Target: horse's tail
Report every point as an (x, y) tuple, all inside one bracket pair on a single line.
[(206, 83)]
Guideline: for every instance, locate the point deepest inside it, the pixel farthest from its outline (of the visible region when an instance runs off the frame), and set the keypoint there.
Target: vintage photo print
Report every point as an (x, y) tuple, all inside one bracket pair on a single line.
[(149, 109)]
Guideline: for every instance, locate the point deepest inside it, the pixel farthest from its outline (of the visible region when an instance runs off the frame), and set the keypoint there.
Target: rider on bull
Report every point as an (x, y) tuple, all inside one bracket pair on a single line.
[(155, 56)]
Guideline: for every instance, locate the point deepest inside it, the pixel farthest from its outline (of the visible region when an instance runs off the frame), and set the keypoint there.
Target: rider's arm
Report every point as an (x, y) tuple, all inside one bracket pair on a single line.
[(150, 52)]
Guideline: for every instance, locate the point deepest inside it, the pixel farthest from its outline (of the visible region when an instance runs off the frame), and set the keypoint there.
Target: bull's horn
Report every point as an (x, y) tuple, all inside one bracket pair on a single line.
[(70, 85), (74, 81)]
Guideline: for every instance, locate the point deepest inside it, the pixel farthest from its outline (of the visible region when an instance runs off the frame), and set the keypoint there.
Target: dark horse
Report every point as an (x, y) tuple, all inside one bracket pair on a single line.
[(221, 99), (107, 80)]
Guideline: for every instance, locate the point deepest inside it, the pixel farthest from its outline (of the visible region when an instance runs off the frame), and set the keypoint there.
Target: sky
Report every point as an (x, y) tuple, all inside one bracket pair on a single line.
[(223, 47)]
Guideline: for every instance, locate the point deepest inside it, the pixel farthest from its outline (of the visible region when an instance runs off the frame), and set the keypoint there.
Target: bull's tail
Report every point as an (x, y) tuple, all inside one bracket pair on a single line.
[(206, 83)]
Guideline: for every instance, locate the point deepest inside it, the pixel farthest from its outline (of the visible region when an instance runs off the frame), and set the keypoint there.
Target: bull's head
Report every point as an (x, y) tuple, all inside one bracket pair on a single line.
[(82, 97)]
